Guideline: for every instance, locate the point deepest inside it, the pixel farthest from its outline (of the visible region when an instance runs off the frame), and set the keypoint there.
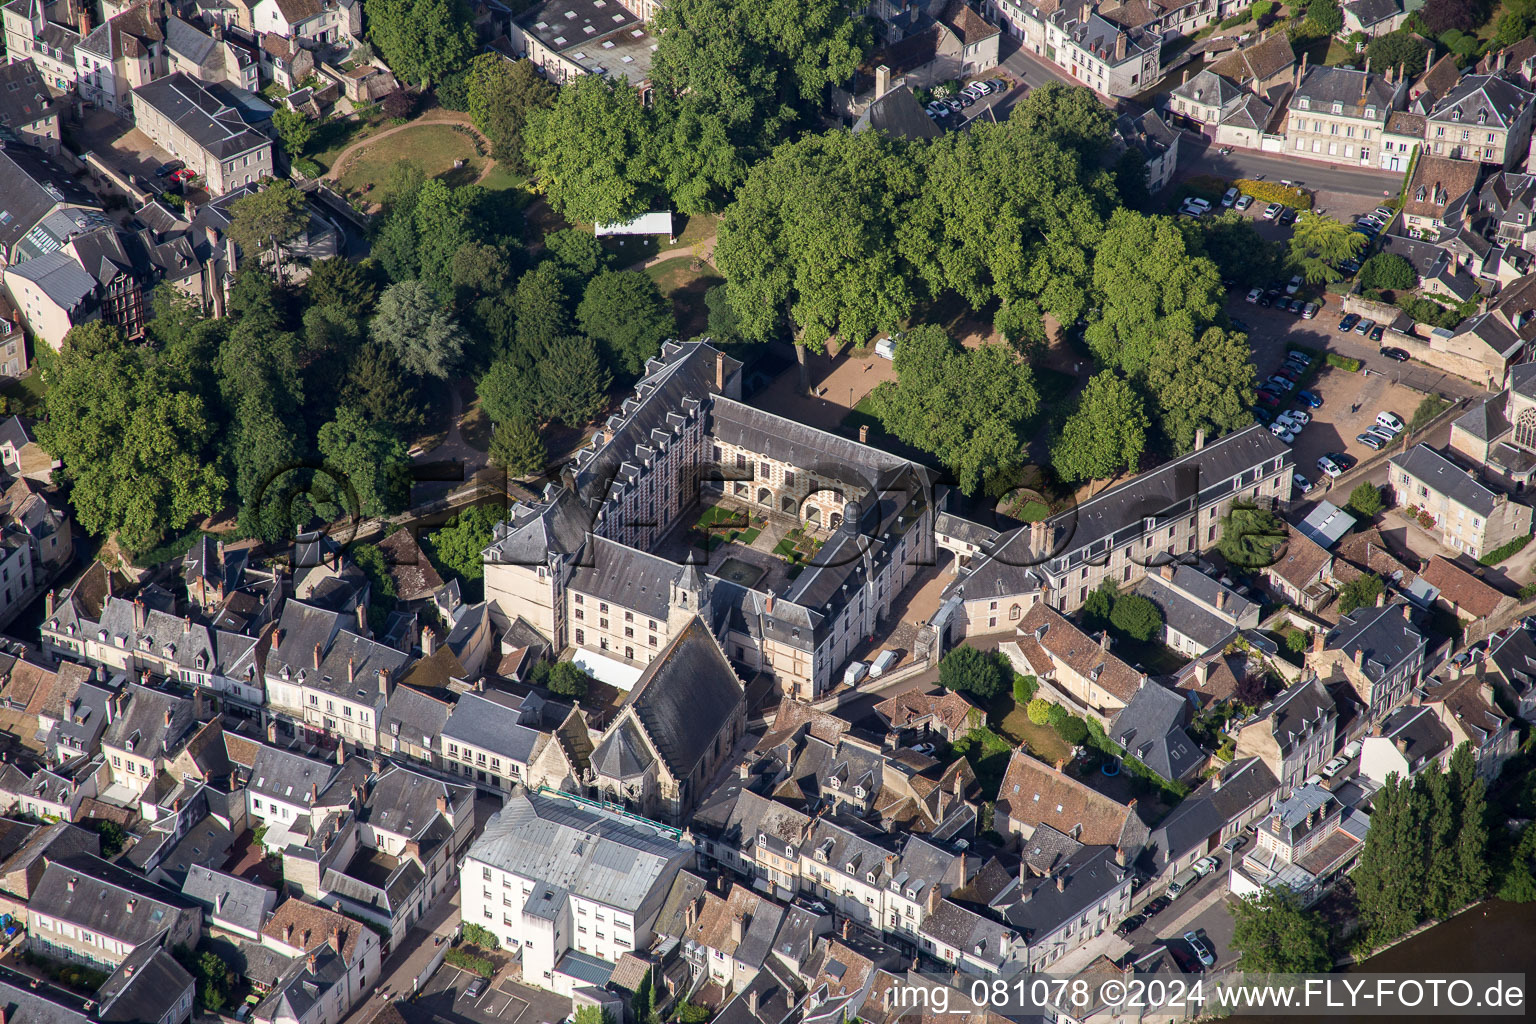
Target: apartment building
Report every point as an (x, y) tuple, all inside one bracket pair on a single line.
[(568, 38), (569, 885), (121, 54), (1051, 648), (298, 927), (47, 34), (1119, 534), (88, 910), (1338, 115), (1377, 651), (1200, 613), (1468, 516), (1293, 734), (1114, 49), (148, 729), (27, 108), (1485, 119), (188, 120), (492, 739)]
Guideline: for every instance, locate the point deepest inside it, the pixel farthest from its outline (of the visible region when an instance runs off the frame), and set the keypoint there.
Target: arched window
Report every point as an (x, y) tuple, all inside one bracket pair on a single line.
[(1525, 430), (764, 496), (1014, 613), (787, 503)]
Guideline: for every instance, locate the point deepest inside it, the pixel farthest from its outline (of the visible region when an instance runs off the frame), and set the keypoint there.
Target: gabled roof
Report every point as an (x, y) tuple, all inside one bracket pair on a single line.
[(686, 696), (1440, 474), (146, 986), (1046, 637), (209, 121), (1462, 590), (1482, 100), (227, 897), (1369, 12), (1437, 183), (1439, 80), (58, 276), (87, 891), (1220, 799), (24, 96), (1035, 793), (1355, 90), (1151, 729), (1383, 636), (1263, 59), (492, 721)]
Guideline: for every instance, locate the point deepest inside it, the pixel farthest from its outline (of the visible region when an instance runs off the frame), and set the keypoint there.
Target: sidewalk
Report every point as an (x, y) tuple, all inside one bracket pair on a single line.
[(406, 963)]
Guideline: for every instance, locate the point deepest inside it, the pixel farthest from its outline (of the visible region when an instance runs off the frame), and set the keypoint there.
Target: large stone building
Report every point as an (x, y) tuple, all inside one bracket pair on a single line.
[(578, 568), (1338, 115)]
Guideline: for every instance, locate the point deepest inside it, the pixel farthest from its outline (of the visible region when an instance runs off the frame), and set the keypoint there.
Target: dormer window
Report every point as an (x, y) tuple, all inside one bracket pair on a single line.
[(1370, 113), (1304, 103), (1338, 108)]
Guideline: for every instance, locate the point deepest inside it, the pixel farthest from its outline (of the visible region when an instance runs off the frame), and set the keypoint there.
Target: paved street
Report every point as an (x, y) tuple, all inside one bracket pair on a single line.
[(1197, 156)]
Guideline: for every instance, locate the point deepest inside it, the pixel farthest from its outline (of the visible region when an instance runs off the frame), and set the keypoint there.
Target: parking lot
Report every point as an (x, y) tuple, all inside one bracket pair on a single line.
[(445, 998), (129, 152)]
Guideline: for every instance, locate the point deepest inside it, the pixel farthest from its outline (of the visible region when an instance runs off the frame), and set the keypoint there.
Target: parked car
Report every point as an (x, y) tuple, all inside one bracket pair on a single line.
[(1397, 355), (1350, 266), (954, 103), (1294, 285), (1129, 925), (1302, 483), (1297, 416), (1290, 373), (1312, 399), (1205, 865), (169, 168), (1268, 397), (1207, 958), (938, 108), (1353, 750), (1282, 431), (926, 749), (1272, 211), (1333, 767), (1156, 906), (1271, 296), (1329, 467), (1391, 421), (1229, 198), (1262, 415), (1383, 214), (1299, 357), (1345, 460), (1197, 206), (1239, 324), (1309, 310), (1287, 217), (475, 988), (1255, 294), (1377, 332), (1371, 441), (1347, 324), (1283, 383), (1232, 845), (1243, 202), (1364, 326)]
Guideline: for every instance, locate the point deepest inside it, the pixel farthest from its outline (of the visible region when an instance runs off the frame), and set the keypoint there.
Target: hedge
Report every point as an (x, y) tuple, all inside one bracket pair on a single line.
[(1344, 362), (469, 962), (1502, 552), (1274, 192)]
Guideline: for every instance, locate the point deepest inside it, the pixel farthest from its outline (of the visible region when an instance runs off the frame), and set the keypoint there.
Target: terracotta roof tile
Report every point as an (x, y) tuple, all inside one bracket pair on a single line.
[(1035, 793), (1063, 643), (1462, 590)]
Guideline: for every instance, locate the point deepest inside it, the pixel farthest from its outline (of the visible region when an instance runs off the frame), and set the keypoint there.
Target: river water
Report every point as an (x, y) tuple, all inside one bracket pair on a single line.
[(1495, 937)]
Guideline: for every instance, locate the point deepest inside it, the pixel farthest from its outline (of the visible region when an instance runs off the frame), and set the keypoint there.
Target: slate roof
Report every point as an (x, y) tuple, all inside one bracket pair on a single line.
[(1188, 604), (1420, 731), (1439, 474), (899, 115), (1208, 89), (974, 934), (1464, 700), (1482, 100), (1151, 729), (414, 717), (1263, 59), (130, 34), (571, 848), (146, 986), (288, 776), (714, 928), (1296, 713), (1369, 12), (24, 96), (404, 802), (209, 121), (142, 728), (1324, 86), (102, 896), (1039, 906), (302, 987), (1514, 656), (227, 897), (491, 721), (1440, 79), (685, 697), (188, 41), (1383, 636), (59, 277), (1209, 808)]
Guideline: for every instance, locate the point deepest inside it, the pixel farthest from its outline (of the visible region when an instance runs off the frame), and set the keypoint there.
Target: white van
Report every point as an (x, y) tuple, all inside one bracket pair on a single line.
[(885, 348), (879, 665), (855, 672), (1389, 422)]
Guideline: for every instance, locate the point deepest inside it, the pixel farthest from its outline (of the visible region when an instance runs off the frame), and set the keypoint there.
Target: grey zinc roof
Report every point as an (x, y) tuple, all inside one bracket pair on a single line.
[(59, 277), (1208, 89), (603, 856), (188, 41), (228, 897), (1326, 524), (627, 576), (1369, 12), (107, 899), (1440, 474), (24, 96), (284, 775), (1187, 616), (622, 754), (1151, 729), (299, 989), (491, 722), (206, 119), (1384, 637), (685, 697), (146, 986), (1420, 729)]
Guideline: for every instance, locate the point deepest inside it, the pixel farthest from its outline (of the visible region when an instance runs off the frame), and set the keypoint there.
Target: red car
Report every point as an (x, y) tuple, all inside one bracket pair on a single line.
[(1268, 398), (186, 174)]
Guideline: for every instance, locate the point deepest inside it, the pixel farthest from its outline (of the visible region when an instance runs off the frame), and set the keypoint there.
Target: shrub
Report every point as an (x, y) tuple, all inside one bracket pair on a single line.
[(1262, 9), (1504, 551), (398, 104), (1136, 617), (307, 167), (1056, 715), (469, 962), (1430, 407), (1274, 192), (1039, 710), (1360, 593), (1344, 362), (1072, 730), (1024, 688), (1426, 520), (1388, 270), (1365, 500), (476, 935), (979, 673)]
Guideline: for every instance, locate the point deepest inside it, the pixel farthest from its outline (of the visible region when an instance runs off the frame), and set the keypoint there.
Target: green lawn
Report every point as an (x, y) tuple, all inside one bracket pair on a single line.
[(1041, 740), (679, 281), (432, 147), (24, 395), (988, 754), (501, 177)]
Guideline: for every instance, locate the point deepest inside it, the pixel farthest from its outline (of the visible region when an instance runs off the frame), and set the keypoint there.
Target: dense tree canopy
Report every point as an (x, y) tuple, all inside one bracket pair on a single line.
[(967, 406), (1201, 384), (982, 674), (371, 459), (1275, 935), (592, 153), (422, 41), (501, 94), (1106, 434), (623, 311), (425, 339), (268, 219)]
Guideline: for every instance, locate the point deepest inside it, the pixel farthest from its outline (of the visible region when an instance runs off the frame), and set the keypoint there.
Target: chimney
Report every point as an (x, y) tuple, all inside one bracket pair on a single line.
[(1104, 641), (211, 235), (1319, 641), (336, 938), (1407, 613), (1199, 438), (384, 683), (1216, 781), (272, 731), (751, 992), (1221, 600), (314, 787), (317, 656), (428, 641), (1165, 570), (442, 804), (351, 670), (1119, 47), (85, 21), (309, 964), (341, 752), (217, 31), (167, 717), (1381, 599), (1185, 78), (277, 638), (1202, 672), (1401, 743), (230, 258), (933, 898), (1359, 654), (1120, 855), (138, 614), (1429, 60), (70, 885), (1061, 883), (882, 80), (847, 926), (1276, 822), (719, 371), (1037, 537), (864, 433), (736, 930)]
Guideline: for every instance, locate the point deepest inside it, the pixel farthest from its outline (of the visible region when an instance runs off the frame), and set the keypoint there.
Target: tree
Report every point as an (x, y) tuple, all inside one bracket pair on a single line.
[(422, 336), (1099, 606), (268, 219), (350, 287), (500, 95), (1151, 289), (1319, 244), (372, 460), (981, 674), (294, 128), (517, 448), (1360, 592), (422, 41), (540, 307), (213, 981), (1471, 878), (1275, 935), (591, 153), (1070, 115), (479, 935), (266, 453), (1201, 385), (137, 444), (1365, 500), (1519, 882), (1039, 710), (968, 407), (398, 104), (1251, 537), (573, 386), (563, 678), (624, 311), (381, 582), (1107, 433), (1324, 16), (1446, 15), (577, 252), (1387, 271), (378, 387), (724, 324), (1389, 881), (1136, 616), (1517, 19), (1397, 49), (1234, 244), (459, 542), (507, 393)]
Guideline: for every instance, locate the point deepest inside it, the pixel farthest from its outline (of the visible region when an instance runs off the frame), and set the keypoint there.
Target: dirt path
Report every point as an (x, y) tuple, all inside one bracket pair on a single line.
[(438, 116), (703, 249)]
